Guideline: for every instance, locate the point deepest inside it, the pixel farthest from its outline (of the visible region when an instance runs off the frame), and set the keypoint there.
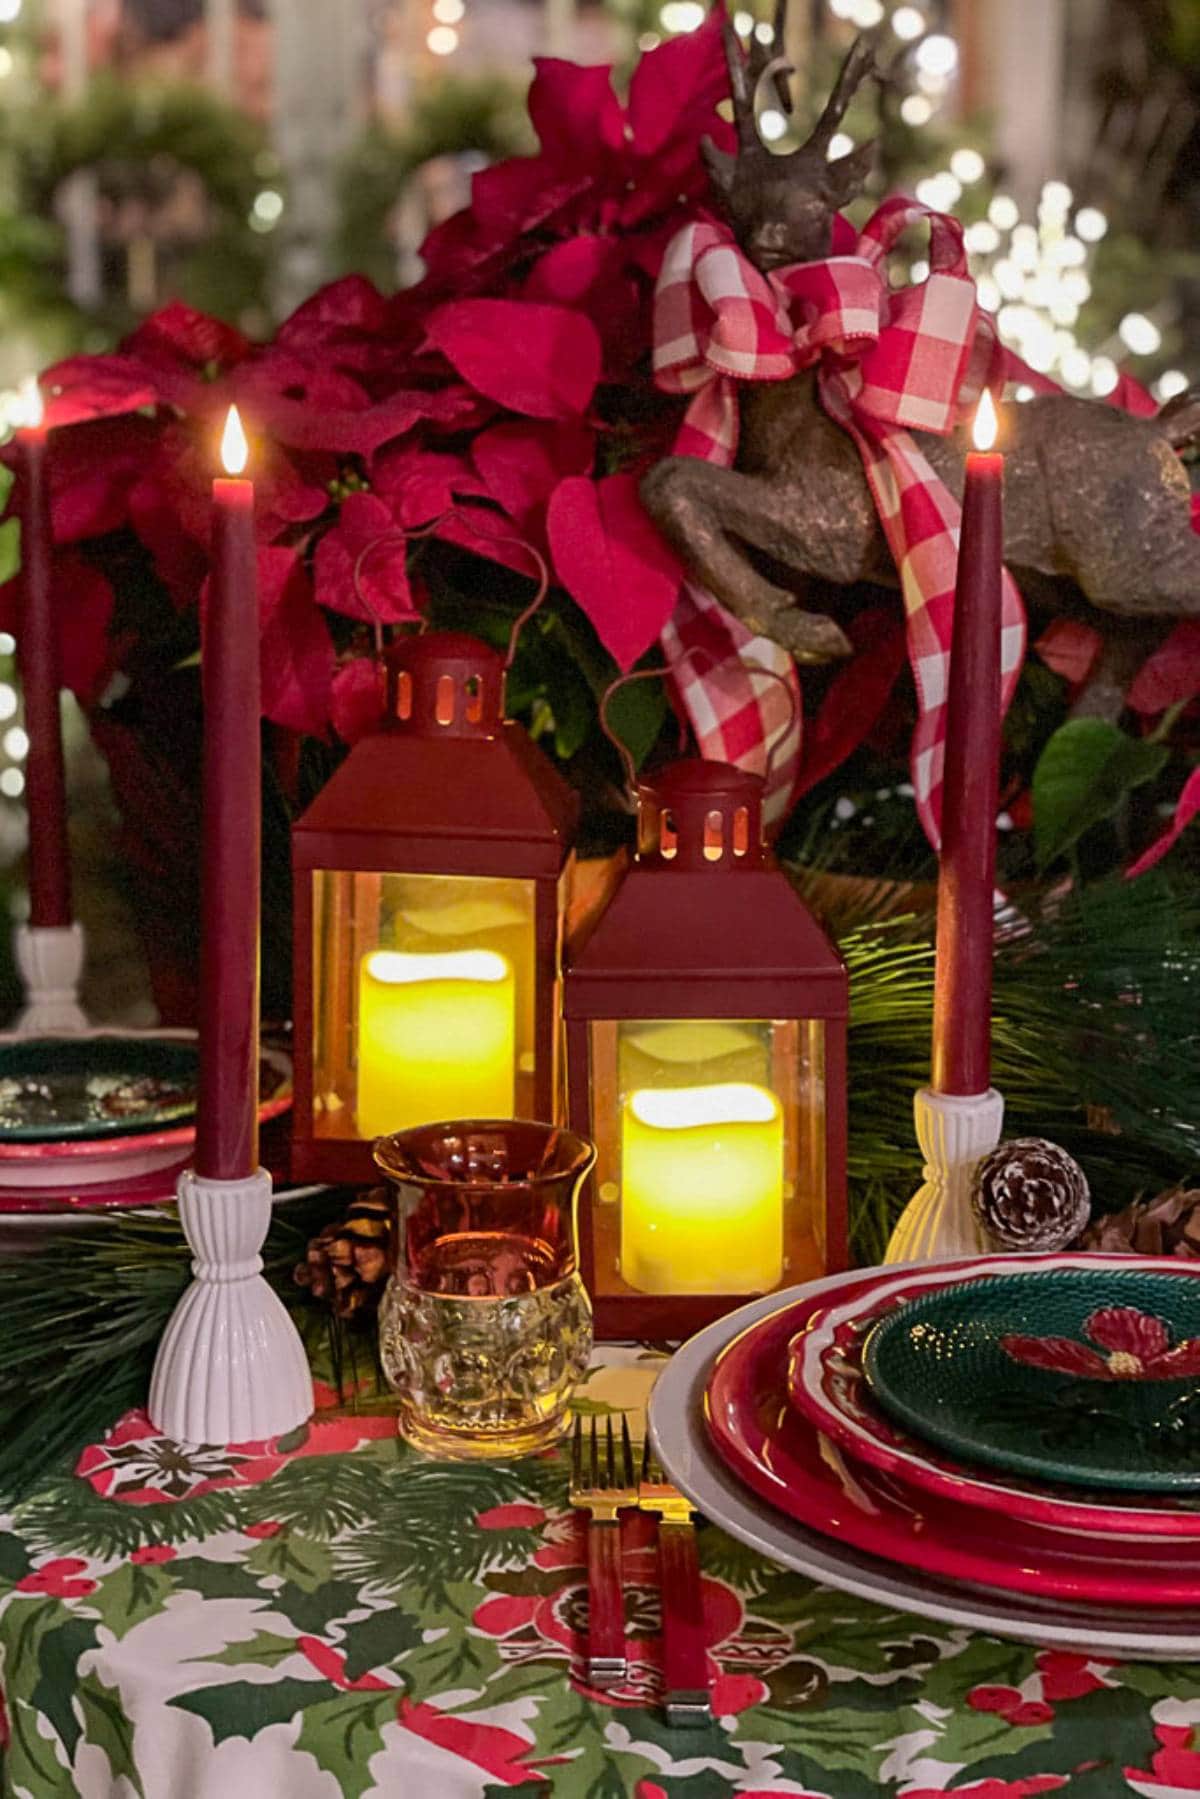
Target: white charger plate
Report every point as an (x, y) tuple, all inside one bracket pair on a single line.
[(676, 1422)]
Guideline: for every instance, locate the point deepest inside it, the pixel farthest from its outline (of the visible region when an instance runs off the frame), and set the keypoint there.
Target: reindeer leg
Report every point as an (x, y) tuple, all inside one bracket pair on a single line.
[(702, 511)]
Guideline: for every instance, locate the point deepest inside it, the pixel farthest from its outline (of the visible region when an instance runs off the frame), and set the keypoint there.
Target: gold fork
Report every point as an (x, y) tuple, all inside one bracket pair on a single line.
[(685, 1664), (603, 1491)]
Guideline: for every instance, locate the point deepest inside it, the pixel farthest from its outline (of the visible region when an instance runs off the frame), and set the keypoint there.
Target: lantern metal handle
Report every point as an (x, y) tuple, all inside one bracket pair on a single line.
[(416, 532), (665, 673)]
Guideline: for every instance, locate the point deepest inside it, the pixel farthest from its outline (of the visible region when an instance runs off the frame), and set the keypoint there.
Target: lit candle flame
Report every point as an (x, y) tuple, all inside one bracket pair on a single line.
[(235, 450), (986, 423), (30, 408)]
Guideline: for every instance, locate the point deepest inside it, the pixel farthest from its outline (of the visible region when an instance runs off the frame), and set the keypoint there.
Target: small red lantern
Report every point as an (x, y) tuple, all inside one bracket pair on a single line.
[(706, 1056), (429, 876)]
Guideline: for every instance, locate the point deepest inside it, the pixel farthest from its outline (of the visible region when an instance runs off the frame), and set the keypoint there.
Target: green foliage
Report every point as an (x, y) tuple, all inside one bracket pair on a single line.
[(1083, 776)]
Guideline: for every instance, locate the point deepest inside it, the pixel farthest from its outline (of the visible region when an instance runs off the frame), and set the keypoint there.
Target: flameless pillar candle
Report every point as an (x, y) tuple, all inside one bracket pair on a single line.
[(37, 654), (702, 1189), (962, 1020), (436, 1038), (227, 1102)]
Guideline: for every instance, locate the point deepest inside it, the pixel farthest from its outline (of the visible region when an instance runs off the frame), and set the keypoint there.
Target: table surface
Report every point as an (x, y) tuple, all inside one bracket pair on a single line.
[(329, 1614)]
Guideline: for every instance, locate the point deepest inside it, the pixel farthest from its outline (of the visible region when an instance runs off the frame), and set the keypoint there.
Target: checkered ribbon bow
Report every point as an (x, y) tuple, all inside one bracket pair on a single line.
[(888, 361)]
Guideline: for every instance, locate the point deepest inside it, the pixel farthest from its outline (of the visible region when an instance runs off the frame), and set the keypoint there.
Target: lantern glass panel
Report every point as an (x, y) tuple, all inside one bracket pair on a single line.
[(424, 1000), (710, 1134)]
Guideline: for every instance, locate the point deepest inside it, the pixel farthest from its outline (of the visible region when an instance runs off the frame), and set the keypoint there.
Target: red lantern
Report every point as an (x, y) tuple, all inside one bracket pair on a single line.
[(706, 1056), (429, 875)]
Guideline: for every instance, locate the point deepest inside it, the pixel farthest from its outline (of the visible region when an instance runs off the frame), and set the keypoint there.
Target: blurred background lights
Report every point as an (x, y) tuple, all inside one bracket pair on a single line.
[(908, 23), (442, 40), (1139, 334), (1076, 367), (6, 62), (916, 110), (763, 32), (1090, 224), (1170, 383), (448, 12), (268, 206), (1003, 212), (982, 237), (771, 124), (12, 783), (8, 700), (1105, 375), (967, 165), (16, 743), (9, 11), (743, 23), (840, 144), (866, 14), (937, 55), (8, 643)]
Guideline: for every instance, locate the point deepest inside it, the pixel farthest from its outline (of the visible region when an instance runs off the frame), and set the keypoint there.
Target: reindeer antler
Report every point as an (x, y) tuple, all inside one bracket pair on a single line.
[(781, 205)]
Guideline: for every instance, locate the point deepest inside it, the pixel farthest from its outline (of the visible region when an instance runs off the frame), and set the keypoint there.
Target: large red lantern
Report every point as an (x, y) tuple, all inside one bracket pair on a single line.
[(706, 1056), (429, 876)]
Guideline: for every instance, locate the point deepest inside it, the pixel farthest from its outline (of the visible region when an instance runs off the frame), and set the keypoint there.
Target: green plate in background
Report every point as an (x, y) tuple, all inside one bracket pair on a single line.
[(59, 1089), (1074, 1374)]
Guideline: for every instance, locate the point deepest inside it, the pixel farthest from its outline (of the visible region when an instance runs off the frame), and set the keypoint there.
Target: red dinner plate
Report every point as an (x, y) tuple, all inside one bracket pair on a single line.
[(783, 1460), (827, 1383)]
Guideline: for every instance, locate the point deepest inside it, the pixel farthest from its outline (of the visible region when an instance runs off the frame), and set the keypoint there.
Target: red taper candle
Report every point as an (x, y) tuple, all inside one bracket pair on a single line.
[(227, 1106), (962, 1006), (37, 657)]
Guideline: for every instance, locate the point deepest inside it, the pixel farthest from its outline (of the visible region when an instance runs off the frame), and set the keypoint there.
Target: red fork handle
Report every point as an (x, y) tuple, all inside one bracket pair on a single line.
[(685, 1665), (606, 1604)]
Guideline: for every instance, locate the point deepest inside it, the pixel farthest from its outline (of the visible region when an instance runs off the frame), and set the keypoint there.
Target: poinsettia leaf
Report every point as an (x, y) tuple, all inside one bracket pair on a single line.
[(350, 302), (522, 463), (1082, 777), (856, 696), (417, 484), (241, 1708), (536, 359), (181, 333), (575, 112), (613, 562), (357, 700), (84, 604), (1187, 806), (1171, 674), (360, 566), (1069, 647), (94, 387), (297, 651)]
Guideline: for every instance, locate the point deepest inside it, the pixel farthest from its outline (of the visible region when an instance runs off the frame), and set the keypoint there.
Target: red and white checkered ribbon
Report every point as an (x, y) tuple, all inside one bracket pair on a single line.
[(888, 362)]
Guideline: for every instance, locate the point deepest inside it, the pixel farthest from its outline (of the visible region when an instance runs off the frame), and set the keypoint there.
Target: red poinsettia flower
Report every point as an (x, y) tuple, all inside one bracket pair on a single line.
[(1137, 1346)]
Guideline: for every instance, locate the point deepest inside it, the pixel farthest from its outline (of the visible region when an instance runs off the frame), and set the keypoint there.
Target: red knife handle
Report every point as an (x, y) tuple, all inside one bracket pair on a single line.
[(606, 1604), (685, 1665)]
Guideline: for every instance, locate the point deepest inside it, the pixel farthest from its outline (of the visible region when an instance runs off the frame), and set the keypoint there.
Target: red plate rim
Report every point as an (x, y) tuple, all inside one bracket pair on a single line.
[(784, 1460), (918, 1465)]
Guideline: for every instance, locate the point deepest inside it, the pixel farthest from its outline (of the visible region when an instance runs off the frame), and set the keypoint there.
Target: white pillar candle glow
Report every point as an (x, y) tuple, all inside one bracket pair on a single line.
[(702, 1189), (436, 1038)]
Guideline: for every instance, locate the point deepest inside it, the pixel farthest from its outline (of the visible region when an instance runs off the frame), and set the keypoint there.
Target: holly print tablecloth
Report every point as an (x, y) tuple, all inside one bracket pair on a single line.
[(328, 1614)]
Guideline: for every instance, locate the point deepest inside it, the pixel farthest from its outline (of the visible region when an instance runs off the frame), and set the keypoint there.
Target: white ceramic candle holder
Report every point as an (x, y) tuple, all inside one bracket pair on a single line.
[(231, 1367), (50, 959), (955, 1132)]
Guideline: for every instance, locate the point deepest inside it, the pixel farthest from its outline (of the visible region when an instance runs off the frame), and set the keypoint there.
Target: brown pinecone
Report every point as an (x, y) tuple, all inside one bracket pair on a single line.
[(1030, 1194), (347, 1263), (1166, 1226)]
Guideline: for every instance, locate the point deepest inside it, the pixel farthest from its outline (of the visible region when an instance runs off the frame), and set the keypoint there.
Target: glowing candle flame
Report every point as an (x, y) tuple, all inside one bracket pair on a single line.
[(235, 450), (986, 423), (31, 409)]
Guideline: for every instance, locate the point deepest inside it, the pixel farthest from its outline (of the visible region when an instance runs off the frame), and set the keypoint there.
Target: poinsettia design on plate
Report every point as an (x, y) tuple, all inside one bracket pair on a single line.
[(1136, 1345)]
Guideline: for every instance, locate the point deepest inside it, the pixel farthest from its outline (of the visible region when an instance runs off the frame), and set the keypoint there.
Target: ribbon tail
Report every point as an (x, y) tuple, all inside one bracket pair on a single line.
[(734, 716), (922, 521)]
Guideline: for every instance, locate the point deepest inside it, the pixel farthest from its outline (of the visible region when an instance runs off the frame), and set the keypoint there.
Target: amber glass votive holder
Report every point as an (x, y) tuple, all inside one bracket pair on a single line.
[(486, 1327)]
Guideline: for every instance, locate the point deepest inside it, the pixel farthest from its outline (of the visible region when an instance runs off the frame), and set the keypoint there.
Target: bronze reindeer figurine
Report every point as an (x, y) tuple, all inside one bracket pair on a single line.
[(1097, 518)]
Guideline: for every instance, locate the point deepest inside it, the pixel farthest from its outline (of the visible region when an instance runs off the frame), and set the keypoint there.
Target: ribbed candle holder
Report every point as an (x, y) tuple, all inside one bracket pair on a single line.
[(231, 1367), (955, 1131), (50, 960)]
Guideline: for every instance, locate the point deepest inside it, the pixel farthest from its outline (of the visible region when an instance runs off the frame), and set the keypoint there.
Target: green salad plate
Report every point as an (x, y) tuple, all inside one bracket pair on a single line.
[(1083, 1375)]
